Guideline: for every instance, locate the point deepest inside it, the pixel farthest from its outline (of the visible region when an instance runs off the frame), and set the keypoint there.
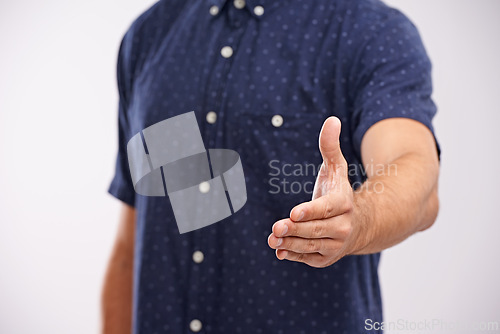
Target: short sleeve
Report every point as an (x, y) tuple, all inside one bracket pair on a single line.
[(391, 78), (121, 186)]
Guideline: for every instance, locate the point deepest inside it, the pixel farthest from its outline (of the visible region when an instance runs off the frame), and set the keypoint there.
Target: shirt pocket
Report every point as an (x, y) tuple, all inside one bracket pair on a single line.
[(280, 156)]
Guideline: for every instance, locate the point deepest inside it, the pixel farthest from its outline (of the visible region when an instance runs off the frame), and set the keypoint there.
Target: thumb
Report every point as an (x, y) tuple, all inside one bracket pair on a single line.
[(329, 144)]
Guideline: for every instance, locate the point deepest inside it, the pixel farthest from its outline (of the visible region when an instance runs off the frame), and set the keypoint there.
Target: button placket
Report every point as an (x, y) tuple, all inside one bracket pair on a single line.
[(217, 84), (213, 108)]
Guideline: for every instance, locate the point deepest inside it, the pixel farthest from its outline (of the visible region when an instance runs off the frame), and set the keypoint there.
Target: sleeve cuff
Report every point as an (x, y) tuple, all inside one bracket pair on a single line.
[(377, 117), (122, 193)]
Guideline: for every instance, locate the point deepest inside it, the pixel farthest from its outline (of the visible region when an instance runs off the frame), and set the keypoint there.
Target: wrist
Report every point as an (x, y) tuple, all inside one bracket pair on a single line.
[(364, 227)]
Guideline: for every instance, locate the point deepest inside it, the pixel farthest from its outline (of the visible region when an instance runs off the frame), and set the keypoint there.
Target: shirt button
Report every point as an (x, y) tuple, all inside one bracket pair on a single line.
[(277, 121), (195, 325), (258, 10), (211, 117), (198, 257), (239, 4), (204, 187), (226, 52), (214, 10)]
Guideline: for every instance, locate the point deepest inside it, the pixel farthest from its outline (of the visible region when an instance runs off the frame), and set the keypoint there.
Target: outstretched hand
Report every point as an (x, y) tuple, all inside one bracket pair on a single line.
[(322, 231)]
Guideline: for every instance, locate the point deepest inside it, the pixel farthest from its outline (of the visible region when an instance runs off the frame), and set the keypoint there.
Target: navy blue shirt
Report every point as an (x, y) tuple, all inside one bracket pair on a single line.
[(261, 76)]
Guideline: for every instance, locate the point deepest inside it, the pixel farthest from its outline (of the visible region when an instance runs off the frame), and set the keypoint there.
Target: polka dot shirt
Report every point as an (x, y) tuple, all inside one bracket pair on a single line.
[(261, 76)]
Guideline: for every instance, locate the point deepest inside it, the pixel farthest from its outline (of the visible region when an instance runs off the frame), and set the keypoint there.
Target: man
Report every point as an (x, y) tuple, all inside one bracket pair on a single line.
[(262, 77)]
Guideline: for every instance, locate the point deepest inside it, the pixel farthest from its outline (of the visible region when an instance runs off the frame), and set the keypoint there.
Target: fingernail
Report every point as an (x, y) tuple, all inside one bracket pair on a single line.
[(284, 254), (279, 242), (301, 215), (285, 229)]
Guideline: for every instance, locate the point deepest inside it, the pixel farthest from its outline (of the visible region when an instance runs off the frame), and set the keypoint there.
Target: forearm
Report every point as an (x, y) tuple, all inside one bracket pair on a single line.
[(397, 200), (117, 293), (395, 203), (117, 289)]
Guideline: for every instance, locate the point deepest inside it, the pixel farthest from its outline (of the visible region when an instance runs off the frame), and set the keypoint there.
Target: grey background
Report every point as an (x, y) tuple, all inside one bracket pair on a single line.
[(451, 271), (58, 107)]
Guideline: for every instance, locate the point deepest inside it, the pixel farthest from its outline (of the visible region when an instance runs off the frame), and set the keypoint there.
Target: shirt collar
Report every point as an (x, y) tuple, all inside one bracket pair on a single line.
[(250, 5)]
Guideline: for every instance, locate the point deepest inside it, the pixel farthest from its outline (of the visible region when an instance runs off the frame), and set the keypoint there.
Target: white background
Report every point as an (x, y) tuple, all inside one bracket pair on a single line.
[(58, 106)]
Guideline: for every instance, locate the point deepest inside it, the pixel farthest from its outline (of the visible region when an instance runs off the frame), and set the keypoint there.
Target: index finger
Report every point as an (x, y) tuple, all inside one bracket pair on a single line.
[(323, 207), (313, 229)]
